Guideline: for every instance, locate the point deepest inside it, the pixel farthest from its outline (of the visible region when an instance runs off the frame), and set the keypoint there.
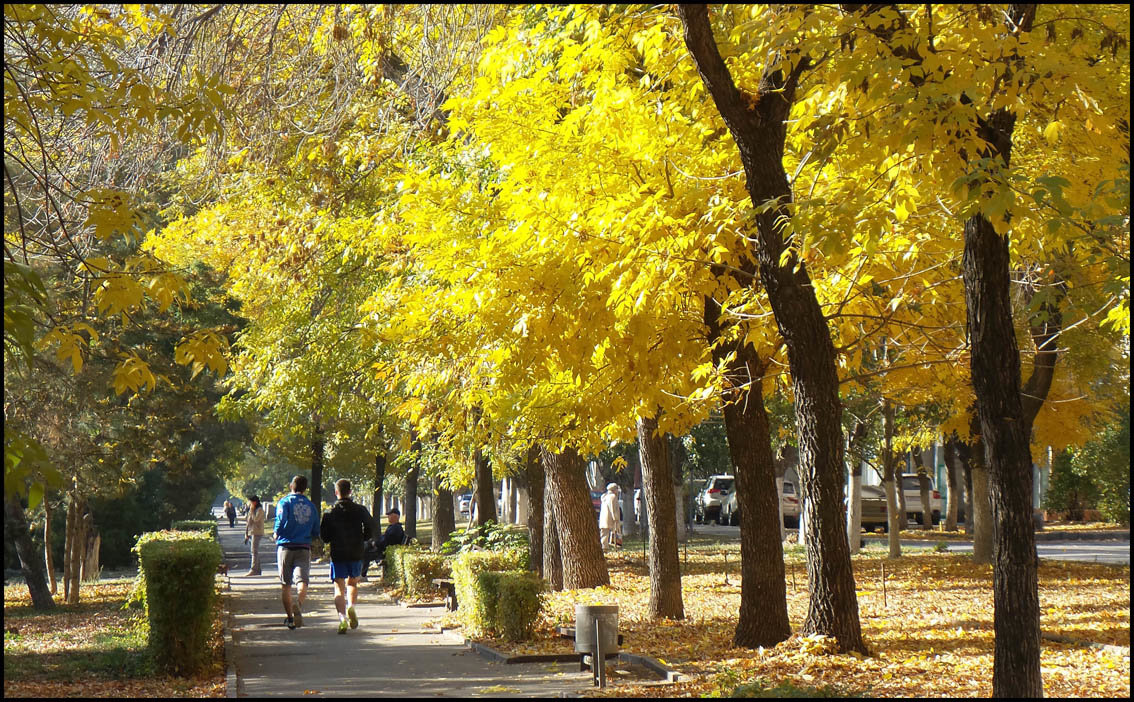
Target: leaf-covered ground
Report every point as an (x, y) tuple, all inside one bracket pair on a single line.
[(92, 649), (930, 633)]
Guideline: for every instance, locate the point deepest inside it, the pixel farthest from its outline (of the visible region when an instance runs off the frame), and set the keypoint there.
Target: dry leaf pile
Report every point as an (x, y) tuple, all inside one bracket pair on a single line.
[(930, 633), (90, 649)]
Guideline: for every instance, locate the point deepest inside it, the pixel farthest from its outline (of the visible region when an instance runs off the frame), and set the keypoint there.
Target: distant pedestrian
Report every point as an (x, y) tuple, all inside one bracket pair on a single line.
[(346, 528), (610, 523), (230, 512), (394, 536), (254, 532), (296, 524)]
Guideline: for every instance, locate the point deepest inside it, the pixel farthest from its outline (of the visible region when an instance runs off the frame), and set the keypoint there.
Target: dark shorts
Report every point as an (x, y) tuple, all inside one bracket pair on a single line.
[(345, 569)]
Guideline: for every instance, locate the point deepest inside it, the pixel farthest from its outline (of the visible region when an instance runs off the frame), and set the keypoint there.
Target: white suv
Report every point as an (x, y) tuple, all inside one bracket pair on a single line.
[(730, 513), (911, 486), (707, 505)]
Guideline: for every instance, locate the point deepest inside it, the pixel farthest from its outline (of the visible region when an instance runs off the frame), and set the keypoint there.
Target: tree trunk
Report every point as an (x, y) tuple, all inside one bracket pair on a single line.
[(854, 491), (955, 492), (16, 527), (678, 455), (552, 558), (444, 520), (317, 448), (758, 127), (982, 506), (895, 513), (1005, 418), (69, 527), (763, 617), (379, 478), (75, 548), (410, 515), (534, 480), (665, 570), (91, 557), (970, 508), (48, 556), (583, 562), (923, 488), (318, 445), (485, 493)]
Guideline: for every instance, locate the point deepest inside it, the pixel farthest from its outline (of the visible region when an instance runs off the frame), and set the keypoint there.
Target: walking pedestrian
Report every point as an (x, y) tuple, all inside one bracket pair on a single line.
[(346, 528), (296, 524), (254, 532), (395, 535), (230, 512), (609, 522)]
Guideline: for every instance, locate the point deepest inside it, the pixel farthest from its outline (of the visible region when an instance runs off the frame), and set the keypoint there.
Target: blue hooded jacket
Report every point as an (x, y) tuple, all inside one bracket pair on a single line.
[(297, 522)]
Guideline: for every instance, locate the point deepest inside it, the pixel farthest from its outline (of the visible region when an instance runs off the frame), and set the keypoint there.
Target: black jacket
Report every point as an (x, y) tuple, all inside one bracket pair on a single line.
[(346, 527)]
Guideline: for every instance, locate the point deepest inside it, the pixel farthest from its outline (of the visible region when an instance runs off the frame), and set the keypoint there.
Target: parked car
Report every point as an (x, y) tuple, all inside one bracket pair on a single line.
[(707, 505), (730, 512), (463, 502), (911, 486), (596, 500), (873, 508)]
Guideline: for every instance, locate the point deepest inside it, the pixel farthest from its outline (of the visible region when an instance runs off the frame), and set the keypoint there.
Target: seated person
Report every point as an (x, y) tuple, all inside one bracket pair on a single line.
[(376, 548)]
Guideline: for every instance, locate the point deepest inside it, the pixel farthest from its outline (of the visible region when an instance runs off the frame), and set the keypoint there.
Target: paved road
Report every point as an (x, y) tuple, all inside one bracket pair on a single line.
[(388, 655), (1112, 552), (1100, 550)]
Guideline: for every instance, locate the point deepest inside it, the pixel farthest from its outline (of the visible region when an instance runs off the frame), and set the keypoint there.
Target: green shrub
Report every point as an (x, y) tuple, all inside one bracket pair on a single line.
[(196, 525), (519, 601), (476, 605), (492, 537), (393, 573), (419, 568), (179, 571)]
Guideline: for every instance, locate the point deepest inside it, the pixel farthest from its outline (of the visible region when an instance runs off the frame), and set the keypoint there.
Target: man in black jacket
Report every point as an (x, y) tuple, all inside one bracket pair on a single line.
[(376, 548), (346, 528)]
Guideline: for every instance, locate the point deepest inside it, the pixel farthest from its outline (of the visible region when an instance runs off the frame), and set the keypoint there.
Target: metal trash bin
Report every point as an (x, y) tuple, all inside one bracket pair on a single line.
[(585, 617), (596, 633)]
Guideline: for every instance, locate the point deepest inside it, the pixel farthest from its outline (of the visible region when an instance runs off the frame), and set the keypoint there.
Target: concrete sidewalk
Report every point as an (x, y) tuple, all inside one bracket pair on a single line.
[(389, 654)]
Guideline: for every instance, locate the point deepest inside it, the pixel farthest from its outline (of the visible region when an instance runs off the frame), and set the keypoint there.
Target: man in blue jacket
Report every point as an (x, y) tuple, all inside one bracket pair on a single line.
[(297, 523)]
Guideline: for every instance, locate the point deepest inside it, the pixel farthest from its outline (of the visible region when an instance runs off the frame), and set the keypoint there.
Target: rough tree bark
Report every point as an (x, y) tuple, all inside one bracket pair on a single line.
[(757, 125), (552, 557), (410, 516), (16, 527), (48, 555), (763, 617), (485, 494), (665, 570), (379, 478), (444, 520), (581, 552), (955, 492), (534, 480), (983, 538)]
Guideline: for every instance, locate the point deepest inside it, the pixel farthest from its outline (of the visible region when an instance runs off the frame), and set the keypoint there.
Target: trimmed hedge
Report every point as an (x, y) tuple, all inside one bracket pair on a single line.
[(519, 601), (179, 571), (478, 600), (419, 568), (195, 525), (393, 574)]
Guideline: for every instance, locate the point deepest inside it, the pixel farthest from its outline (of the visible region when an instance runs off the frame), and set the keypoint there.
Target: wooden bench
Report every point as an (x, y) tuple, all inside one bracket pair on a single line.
[(450, 589)]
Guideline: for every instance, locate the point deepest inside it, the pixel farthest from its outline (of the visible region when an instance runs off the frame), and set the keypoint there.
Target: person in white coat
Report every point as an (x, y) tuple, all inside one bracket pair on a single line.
[(610, 522)]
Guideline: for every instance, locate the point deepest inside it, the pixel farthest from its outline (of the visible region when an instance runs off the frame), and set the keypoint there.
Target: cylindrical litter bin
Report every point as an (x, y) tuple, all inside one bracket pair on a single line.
[(585, 618)]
